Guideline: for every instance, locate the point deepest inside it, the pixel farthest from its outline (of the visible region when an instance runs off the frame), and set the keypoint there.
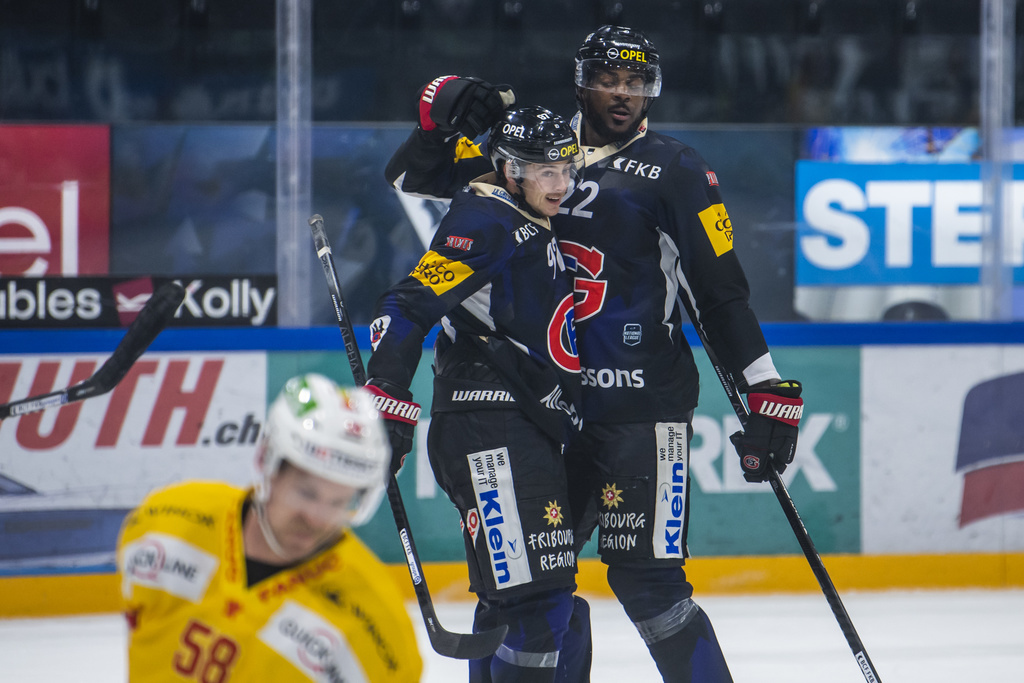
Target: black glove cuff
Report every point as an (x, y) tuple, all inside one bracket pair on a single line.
[(390, 388)]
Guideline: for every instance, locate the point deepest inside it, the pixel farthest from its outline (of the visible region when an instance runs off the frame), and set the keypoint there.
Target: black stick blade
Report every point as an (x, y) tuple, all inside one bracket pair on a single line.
[(150, 322), (152, 319), (465, 645)]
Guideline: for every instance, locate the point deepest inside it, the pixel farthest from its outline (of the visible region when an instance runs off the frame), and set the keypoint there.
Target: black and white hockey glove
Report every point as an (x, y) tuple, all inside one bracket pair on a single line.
[(400, 414), (772, 430), (465, 104)]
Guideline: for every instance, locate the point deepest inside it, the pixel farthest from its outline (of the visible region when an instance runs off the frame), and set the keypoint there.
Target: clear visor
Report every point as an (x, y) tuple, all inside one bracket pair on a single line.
[(639, 81), (337, 508), (556, 177), (327, 502)]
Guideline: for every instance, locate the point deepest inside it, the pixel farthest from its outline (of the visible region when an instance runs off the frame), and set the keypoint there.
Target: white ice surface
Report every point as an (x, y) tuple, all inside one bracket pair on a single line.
[(912, 637)]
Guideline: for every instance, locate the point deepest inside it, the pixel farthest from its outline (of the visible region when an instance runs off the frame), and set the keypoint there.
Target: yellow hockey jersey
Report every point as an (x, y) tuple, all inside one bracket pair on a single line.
[(335, 617)]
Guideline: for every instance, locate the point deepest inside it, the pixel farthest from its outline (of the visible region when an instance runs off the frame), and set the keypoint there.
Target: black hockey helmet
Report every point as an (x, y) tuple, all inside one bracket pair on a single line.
[(531, 135), (619, 47)]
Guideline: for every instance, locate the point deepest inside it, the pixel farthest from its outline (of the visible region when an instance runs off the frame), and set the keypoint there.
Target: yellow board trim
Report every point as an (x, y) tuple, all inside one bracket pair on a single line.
[(69, 594)]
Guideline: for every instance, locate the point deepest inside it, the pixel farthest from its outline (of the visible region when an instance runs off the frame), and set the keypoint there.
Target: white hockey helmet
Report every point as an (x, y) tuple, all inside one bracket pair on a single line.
[(331, 432)]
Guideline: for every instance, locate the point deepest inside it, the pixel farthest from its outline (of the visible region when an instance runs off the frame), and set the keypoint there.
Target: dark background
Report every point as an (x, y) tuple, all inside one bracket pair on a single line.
[(189, 89)]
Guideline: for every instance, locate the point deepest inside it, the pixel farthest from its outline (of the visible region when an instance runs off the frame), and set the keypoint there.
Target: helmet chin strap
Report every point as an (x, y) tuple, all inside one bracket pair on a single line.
[(519, 195), (521, 200), (268, 533)]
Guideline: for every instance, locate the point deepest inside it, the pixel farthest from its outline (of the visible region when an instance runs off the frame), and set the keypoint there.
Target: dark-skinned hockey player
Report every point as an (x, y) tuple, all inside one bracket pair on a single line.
[(648, 236)]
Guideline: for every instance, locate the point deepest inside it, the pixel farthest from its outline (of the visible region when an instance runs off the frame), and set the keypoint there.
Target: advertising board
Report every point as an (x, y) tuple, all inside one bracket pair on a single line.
[(54, 200)]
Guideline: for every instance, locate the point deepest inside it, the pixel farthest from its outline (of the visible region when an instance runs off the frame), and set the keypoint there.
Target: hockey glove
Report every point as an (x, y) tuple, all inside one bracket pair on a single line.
[(771, 432), (468, 105), (400, 414)]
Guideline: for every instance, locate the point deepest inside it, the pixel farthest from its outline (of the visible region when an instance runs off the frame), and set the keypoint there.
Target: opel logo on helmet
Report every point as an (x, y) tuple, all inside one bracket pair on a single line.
[(613, 52), (553, 154)]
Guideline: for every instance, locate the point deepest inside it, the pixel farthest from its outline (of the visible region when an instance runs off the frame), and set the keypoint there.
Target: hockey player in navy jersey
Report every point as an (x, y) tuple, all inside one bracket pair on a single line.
[(506, 391), (649, 239)]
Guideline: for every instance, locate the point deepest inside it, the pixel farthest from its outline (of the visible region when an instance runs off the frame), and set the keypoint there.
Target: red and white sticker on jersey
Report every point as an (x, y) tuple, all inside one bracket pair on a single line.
[(440, 273), (718, 226), (166, 563), (462, 243), (378, 328), (312, 645), (472, 524), (670, 506), (499, 517)]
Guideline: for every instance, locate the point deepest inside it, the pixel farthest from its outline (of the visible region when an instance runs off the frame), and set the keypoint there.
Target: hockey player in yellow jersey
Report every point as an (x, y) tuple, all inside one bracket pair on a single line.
[(222, 584)]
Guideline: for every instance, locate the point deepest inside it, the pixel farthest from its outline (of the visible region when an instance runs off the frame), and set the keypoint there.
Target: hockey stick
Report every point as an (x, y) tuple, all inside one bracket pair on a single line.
[(454, 645), (151, 320), (867, 668)]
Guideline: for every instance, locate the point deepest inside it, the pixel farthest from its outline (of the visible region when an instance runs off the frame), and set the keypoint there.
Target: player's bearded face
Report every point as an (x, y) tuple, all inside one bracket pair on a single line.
[(614, 104), (305, 511)]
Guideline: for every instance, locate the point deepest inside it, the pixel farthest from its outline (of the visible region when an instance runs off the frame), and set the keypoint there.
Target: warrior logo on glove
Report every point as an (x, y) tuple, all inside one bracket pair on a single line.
[(464, 104), (393, 408), (783, 409)]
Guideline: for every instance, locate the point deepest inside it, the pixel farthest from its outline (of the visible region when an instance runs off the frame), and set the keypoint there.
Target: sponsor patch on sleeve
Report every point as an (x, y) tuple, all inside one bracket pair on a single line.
[(440, 273), (718, 226), (463, 243), (169, 564)]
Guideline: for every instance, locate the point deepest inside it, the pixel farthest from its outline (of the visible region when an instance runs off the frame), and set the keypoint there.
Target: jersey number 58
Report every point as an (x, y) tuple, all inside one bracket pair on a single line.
[(204, 655)]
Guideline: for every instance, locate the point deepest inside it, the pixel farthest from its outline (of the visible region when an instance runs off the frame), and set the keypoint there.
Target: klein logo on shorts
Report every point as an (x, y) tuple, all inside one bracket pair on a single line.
[(169, 564), (670, 506), (675, 497), (499, 515)]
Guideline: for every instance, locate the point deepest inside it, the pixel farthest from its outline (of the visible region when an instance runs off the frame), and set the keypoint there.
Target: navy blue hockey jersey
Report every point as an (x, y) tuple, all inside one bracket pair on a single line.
[(650, 242), (496, 280)]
